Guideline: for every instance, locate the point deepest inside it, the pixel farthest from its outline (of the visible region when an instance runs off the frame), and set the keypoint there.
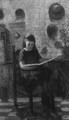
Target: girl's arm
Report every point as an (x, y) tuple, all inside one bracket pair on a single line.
[(21, 61), (26, 67)]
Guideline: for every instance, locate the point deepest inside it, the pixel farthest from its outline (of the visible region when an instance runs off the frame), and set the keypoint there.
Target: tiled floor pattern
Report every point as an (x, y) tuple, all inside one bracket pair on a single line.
[(8, 111)]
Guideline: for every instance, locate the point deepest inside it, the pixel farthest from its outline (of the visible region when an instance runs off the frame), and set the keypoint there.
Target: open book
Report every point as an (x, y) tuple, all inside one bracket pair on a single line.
[(38, 64)]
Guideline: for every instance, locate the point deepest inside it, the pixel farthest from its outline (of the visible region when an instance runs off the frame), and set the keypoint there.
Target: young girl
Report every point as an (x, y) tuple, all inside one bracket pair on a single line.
[(29, 55)]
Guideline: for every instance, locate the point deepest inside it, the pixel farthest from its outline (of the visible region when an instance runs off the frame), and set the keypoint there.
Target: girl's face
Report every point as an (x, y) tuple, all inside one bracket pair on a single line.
[(29, 45)]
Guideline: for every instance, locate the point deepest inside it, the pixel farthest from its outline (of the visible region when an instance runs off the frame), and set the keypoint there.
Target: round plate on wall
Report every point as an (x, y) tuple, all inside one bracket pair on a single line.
[(58, 44), (52, 30), (20, 14), (56, 11)]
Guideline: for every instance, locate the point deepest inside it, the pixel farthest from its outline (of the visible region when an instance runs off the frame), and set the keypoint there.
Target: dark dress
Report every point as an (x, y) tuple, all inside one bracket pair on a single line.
[(30, 76)]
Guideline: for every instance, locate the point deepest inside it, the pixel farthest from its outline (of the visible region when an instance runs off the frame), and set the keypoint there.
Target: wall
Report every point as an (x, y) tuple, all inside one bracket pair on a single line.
[(36, 22)]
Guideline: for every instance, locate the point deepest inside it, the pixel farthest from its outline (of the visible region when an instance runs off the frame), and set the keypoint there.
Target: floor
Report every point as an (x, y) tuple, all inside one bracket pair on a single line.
[(8, 111)]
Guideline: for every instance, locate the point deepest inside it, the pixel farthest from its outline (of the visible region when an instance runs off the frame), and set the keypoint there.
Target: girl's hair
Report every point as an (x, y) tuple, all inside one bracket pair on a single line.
[(29, 38)]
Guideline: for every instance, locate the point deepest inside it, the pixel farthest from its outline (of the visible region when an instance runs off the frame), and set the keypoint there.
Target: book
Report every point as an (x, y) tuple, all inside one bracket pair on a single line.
[(42, 63)]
